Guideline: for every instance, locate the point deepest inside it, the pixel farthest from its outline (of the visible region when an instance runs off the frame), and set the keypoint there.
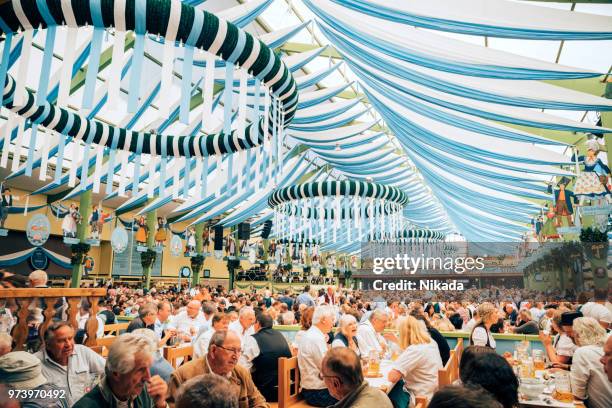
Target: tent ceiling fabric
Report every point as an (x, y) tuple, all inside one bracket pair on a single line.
[(418, 104)]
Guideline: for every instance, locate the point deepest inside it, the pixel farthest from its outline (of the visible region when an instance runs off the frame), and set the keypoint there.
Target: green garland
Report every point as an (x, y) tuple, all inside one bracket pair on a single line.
[(593, 235), (78, 253), (148, 258), (197, 263)]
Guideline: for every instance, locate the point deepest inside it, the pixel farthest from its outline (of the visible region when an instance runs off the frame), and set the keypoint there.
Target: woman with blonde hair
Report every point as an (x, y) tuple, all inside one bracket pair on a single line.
[(419, 362), (589, 381), (481, 334)]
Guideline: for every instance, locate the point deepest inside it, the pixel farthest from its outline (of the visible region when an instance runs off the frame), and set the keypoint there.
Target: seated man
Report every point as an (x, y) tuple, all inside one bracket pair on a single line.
[(188, 322), (368, 333), (147, 315), (261, 353), (207, 391), (244, 325), (312, 347), (343, 376), (69, 366), (222, 359), (220, 321), (127, 381), (21, 371)]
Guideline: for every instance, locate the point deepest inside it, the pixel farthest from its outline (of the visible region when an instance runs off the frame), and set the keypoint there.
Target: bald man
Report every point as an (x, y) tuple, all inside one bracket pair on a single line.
[(188, 322)]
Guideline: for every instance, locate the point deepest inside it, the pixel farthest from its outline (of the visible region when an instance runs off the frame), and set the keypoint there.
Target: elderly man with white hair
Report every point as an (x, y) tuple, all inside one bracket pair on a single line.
[(188, 322), (127, 380), (312, 347), (369, 333), (38, 279), (244, 326)]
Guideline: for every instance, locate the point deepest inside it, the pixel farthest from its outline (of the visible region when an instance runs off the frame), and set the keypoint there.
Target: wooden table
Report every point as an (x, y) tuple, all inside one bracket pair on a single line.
[(382, 382), (546, 399)]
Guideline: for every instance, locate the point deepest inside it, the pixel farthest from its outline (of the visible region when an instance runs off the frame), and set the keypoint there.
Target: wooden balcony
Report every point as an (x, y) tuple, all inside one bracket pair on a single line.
[(21, 301)]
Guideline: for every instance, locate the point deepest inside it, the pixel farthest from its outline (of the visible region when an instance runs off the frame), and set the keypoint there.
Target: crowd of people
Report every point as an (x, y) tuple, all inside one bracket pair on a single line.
[(236, 348)]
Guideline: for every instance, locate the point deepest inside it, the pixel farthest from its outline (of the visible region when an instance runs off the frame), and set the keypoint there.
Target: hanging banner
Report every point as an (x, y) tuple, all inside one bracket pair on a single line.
[(176, 245), (119, 240), (38, 230)]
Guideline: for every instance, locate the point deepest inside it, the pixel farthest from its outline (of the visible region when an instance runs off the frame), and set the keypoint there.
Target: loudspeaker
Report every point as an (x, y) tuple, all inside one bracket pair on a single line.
[(218, 238), (267, 228), (244, 231)]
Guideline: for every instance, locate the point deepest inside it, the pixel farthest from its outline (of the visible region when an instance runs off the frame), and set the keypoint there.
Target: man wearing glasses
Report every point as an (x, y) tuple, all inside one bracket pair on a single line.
[(222, 358)]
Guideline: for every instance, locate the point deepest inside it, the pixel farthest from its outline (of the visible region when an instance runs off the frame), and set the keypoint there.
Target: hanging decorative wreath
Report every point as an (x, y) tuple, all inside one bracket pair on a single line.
[(193, 27), (325, 210)]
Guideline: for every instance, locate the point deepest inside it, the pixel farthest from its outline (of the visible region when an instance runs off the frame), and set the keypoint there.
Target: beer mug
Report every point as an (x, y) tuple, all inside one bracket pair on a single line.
[(538, 360), (374, 363), (563, 387)]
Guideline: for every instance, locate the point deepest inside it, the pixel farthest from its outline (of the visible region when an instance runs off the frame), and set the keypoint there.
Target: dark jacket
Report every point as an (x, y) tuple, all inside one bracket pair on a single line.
[(101, 397)]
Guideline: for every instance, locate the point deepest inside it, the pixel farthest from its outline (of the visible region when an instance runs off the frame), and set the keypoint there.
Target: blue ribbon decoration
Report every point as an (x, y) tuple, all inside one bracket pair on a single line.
[(227, 115), (45, 71), (138, 54), (111, 161), (94, 56), (163, 164), (137, 162), (85, 165), (189, 162)]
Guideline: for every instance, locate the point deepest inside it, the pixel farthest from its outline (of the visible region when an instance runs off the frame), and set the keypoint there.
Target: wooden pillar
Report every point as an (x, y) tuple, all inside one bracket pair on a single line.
[(82, 232), (199, 230)]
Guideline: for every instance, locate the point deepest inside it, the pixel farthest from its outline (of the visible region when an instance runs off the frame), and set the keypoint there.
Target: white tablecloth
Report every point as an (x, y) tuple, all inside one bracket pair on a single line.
[(385, 367)]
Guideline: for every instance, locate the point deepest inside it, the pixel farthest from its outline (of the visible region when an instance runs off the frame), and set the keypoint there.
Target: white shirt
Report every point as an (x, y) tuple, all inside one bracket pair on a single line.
[(597, 311), (298, 336), (564, 345), (237, 328), (311, 350), (250, 351), (589, 379), (368, 339), (183, 323), (536, 314), (201, 343), (469, 325), (419, 365), (479, 337), (83, 366)]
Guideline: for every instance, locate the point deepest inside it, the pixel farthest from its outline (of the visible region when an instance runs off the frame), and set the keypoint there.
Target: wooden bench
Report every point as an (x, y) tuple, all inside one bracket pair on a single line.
[(450, 372), (115, 329), (289, 384), (174, 353), (26, 297)]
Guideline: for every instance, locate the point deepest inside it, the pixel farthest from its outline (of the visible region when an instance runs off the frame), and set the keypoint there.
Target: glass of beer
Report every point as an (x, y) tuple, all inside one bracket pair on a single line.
[(538, 360), (374, 364), (563, 387)]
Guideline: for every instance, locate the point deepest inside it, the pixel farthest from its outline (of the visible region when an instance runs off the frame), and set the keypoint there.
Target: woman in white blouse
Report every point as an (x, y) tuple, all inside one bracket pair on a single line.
[(481, 334), (347, 333), (561, 347), (589, 381), (419, 362)]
